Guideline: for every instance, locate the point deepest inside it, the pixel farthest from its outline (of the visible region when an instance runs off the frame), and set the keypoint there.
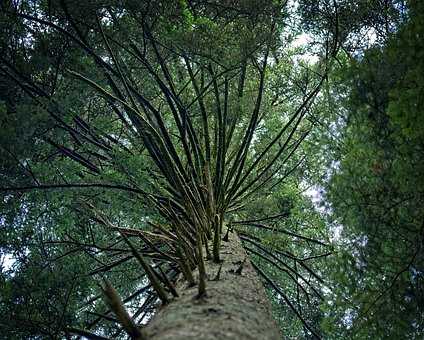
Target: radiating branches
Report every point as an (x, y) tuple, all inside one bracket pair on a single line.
[(286, 300), (116, 305), (180, 105)]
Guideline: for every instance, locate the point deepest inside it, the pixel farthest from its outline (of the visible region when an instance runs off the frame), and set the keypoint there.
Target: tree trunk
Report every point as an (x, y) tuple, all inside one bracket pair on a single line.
[(236, 306)]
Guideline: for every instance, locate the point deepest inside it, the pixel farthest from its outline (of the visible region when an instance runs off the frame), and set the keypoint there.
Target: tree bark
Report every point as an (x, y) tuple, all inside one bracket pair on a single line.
[(236, 306)]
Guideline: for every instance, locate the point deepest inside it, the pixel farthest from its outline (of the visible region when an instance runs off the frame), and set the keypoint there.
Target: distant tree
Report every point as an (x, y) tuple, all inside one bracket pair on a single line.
[(375, 193)]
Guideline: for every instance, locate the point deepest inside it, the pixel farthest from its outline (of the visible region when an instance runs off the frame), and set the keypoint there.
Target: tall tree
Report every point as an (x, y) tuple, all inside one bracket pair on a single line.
[(165, 105)]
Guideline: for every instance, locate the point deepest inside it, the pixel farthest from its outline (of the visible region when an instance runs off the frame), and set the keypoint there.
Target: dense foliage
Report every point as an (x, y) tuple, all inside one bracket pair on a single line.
[(375, 194)]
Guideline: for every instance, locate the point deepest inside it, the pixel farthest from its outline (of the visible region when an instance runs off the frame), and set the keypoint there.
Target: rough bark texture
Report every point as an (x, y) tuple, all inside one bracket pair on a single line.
[(236, 306)]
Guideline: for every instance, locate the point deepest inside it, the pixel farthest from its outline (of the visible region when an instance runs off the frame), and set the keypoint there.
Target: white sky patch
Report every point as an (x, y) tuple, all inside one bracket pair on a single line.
[(315, 194), (372, 36), (7, 262), (336, 232), (302, 41)]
